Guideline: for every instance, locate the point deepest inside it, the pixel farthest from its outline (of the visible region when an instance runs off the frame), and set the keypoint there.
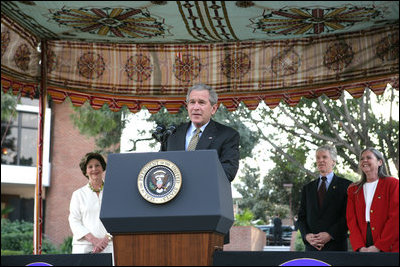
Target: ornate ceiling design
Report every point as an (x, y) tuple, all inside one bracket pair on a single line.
[(147, 53), (196, 21)]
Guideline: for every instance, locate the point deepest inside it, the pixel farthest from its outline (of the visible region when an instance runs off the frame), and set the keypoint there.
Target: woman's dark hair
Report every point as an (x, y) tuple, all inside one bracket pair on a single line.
[(89, 156)]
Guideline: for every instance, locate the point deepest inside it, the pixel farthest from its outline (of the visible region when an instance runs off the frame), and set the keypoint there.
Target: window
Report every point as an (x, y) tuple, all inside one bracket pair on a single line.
[(19, 145), (19, 136)]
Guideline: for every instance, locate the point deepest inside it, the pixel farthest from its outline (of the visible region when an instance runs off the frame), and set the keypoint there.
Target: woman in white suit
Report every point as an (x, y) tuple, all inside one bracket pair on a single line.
[(89, 233)]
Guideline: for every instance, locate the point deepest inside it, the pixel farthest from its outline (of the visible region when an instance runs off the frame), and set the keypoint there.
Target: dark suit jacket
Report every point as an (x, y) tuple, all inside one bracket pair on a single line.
[(224, 139), (330, 218)]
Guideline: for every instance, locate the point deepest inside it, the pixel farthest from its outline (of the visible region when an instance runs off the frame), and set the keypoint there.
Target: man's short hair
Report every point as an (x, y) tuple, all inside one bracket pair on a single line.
[(200, 86), (331, 149)]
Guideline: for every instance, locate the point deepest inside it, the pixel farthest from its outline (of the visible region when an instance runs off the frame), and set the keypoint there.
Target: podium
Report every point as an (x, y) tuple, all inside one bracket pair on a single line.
[(185, 230)]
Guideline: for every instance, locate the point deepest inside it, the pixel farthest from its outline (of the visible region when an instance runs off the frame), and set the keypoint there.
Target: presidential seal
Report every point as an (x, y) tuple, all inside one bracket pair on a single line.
[(159, 181)]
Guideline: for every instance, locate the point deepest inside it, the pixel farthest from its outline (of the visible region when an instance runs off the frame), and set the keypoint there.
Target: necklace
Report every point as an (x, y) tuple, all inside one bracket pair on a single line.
[(96, 190)]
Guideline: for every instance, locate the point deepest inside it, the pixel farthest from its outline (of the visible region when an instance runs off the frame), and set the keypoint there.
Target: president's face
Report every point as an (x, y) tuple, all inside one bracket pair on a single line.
[(199, 107)]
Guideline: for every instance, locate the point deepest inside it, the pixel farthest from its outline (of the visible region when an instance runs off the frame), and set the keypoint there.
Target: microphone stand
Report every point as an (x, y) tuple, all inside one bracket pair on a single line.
[(169, 131)]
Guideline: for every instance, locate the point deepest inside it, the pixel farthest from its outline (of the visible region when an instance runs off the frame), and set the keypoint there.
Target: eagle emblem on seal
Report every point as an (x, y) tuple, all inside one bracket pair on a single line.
[(159, 181)]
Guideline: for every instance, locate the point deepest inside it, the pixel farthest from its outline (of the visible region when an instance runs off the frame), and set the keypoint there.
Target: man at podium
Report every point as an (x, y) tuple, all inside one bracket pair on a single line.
[(204, 133), (188, 216)]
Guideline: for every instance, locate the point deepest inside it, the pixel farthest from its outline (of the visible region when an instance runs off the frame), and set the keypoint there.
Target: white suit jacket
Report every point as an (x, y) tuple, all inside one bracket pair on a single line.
[(84, 215)]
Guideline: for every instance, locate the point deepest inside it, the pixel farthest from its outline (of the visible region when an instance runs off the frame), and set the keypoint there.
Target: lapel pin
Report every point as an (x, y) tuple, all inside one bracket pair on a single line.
[(210, 137)]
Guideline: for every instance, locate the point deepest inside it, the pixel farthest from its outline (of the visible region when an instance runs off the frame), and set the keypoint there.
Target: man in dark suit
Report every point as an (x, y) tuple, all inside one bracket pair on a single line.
[(323, 226), (202, 103)]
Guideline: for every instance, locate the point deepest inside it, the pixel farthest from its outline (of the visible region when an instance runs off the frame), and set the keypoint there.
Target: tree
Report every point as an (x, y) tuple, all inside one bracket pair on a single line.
[(270, 197), (286, 173), (8, 113), (350, 124), (104, 125), (8, 106), (253, 198)]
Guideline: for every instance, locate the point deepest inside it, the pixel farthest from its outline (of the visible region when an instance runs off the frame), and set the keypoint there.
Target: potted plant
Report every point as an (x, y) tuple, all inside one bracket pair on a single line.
[(244, 236)]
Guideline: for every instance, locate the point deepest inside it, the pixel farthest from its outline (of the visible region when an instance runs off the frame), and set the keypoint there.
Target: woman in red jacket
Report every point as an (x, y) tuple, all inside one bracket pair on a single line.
[(373, 206)]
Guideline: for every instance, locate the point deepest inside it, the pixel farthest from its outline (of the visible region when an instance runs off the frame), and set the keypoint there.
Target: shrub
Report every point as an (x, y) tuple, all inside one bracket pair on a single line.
[(244, 218), (66, 246), (11, 252), (299, 244), (17, 236)]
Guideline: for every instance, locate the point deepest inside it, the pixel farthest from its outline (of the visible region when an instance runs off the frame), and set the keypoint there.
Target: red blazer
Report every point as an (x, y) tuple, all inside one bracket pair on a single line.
[(384, 216)]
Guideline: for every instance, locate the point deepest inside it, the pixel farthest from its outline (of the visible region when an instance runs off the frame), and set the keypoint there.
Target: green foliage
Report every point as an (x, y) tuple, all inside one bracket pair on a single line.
[(248, 137), (8, 227), (6, 210), (103, 124), (17, 241), (272, 197), (18, 236), (8, 114), (66, 246), (163, 117), (6, 252), (8, 106), (253, 199), (244, 218), (286, 173), (298, 243), (350, 124)]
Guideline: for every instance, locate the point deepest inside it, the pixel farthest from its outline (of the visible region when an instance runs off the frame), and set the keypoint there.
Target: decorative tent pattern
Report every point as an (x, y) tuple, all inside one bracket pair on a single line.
[(148, 53), (303, 59)]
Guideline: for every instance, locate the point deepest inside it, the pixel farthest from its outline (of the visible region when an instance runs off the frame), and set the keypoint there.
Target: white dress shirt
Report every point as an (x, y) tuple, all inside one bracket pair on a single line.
[(328, 181), (369, 192), (191, 132)]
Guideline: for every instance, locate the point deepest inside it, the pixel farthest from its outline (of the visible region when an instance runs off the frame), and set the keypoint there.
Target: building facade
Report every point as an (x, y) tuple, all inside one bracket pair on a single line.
[(64, 146)]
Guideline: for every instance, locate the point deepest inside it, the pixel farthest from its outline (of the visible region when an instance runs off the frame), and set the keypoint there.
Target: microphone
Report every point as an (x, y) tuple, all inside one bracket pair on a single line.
[(159, 133), (164, 136), (170, 130)]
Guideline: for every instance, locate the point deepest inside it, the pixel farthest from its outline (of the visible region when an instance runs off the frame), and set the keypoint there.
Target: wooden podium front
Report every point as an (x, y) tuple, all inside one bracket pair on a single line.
[(166, 249), (185, 230)]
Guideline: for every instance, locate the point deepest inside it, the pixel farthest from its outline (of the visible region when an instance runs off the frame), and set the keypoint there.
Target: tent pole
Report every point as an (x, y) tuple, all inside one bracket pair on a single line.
[(38, 214)]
